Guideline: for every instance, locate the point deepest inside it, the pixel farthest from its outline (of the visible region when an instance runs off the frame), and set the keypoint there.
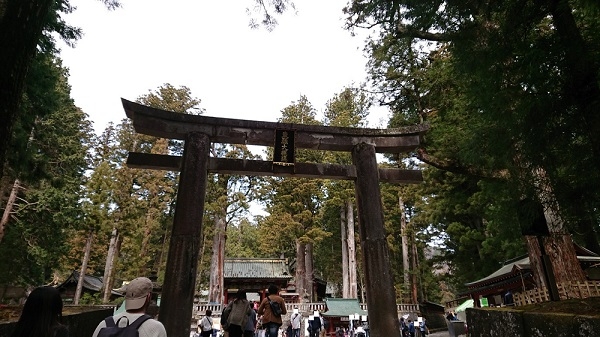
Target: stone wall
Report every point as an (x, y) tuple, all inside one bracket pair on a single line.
[(80, 324), (504, 322)]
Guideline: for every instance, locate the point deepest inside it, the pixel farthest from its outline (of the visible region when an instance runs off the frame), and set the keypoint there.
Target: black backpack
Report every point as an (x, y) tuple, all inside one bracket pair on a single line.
[(315, 324), (225, 317), (113, 330), (275, 307)]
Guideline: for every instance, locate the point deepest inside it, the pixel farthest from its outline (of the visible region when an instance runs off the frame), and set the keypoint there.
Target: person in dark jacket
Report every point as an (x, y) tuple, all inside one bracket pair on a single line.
[(251, 324), (315, 325)]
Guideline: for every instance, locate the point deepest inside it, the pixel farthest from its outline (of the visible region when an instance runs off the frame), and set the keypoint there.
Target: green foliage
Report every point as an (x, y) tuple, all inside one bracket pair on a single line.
[(137, 203), (50, 158), (292, 203), (90, 299), (242, 239), (518, 79), (502, 86)]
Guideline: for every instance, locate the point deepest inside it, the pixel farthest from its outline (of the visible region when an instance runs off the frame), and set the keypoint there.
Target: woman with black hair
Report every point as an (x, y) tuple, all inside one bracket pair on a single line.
[(42, 315), (240, 312)]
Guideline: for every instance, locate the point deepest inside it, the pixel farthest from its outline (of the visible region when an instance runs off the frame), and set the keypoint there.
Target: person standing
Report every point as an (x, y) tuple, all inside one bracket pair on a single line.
[(423, 328), (251, 324), (206, 324), (411, 328), (138, 295), (508, 298), (315, 325), (260, 330), (295, 321), (403, 327), (240, 310), (324, 325), (360, 331), (42, 315), (270, 321)]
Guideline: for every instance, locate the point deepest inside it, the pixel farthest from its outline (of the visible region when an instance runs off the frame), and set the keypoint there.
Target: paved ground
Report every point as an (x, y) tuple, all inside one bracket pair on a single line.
[(443, 333)]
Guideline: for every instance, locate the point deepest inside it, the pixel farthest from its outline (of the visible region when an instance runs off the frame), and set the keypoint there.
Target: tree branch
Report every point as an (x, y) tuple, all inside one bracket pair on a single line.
[(454, 167), (409, 31)]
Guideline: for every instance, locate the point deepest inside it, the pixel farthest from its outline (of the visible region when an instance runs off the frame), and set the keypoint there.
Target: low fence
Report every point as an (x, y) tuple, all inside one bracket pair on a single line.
[(306, 308), (200, 308), (566, 290), (451, 305)]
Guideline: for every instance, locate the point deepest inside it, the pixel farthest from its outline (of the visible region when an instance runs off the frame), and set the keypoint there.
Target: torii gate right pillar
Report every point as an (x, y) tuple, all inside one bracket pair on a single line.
[(379, 282)]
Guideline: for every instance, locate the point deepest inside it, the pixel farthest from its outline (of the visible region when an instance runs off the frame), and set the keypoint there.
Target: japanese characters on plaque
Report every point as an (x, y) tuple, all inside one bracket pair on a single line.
[(284, 150)]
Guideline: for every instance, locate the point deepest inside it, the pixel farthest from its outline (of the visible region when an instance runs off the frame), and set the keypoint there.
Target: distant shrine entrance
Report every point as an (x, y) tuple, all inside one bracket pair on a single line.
[(199, 132)]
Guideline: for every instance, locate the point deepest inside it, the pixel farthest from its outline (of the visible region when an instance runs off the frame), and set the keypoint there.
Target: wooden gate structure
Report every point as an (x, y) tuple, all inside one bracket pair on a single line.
[(199, 131)]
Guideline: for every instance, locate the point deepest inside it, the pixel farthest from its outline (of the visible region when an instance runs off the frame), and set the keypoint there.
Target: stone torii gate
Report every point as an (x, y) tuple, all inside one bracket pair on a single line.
[(199, 131)]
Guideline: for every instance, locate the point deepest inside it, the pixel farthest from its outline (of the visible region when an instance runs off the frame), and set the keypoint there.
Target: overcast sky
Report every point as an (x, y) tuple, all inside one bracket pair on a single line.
[(236, 71)]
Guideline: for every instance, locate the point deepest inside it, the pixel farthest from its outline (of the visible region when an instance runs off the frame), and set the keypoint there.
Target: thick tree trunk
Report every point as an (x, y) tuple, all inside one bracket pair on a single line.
[(310, 272), (558, 246), (146, 239), (560, 249), (84, 263), (21, 23), (108, 268), (9, 207), (301, 271), (405, 249), (217, 263), (344, 238), (414, 268), (353, 289), (164, 249)]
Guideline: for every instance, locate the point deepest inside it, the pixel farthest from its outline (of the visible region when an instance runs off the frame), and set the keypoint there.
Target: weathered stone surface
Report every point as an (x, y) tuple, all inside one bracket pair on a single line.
[(576, 317), (494, 323), (545, 324)]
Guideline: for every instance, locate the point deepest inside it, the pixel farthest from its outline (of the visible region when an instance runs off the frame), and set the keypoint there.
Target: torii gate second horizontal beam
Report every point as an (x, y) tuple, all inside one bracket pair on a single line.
[(267, 168), (167, 124)]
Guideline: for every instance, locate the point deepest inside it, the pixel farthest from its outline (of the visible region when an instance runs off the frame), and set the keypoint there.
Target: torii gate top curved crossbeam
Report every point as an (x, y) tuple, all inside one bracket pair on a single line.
[(168, 124)]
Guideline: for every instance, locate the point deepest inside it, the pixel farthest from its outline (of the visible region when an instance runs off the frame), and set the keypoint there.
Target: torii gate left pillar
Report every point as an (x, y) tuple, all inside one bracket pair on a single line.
[(178, 292)]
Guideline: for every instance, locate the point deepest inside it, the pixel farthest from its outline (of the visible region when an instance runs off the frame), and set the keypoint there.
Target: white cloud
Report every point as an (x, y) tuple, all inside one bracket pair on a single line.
[(207, 46)]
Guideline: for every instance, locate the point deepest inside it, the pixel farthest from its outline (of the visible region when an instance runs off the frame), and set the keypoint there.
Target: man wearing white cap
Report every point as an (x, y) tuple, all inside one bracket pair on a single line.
[(138, 294)]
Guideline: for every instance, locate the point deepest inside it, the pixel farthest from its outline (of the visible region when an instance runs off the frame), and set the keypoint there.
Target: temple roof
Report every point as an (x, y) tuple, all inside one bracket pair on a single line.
[(342, 307), (90, 282), (505, 271), (514, 269), (257, 268)]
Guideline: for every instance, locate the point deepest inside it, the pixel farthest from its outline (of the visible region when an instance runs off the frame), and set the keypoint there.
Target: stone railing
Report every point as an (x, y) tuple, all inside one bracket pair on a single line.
[(200, 308), (304, 308)]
